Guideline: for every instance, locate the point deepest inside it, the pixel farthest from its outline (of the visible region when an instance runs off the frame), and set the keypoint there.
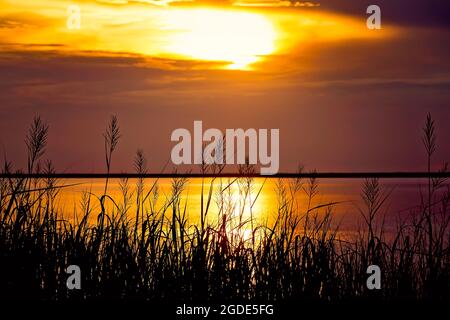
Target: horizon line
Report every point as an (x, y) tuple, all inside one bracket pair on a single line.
[(326, 175)]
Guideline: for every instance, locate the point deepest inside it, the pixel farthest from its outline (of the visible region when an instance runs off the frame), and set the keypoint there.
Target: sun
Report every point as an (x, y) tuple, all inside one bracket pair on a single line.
[(237, 38)]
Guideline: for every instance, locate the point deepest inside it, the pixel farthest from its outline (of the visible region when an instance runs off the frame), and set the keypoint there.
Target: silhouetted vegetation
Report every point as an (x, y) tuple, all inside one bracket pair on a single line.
[(132, 248)]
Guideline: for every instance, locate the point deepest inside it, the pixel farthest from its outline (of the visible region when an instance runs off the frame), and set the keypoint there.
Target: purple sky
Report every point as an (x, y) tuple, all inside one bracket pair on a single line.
[(351, 105)]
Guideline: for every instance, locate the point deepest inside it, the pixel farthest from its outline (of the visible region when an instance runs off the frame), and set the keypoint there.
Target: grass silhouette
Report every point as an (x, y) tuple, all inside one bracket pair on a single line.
[(132, 249)]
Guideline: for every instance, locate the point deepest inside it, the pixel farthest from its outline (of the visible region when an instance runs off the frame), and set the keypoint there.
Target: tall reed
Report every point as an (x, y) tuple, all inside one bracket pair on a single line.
[(145, 244)]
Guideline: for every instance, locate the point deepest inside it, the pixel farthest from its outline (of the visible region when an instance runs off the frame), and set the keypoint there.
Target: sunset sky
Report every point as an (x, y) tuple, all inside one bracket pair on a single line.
[(344, 97)]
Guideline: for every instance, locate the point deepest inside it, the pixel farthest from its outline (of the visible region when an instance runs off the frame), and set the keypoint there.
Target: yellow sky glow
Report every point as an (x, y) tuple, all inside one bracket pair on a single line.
[(234, 37), (221, 35)]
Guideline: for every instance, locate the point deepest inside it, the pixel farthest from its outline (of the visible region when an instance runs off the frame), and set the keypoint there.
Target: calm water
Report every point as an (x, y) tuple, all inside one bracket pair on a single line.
[(405, 195)]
